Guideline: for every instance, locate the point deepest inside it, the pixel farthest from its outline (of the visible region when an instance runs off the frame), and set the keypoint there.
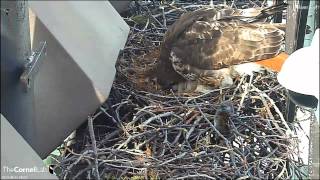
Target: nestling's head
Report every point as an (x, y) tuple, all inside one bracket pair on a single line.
[(225, 108)]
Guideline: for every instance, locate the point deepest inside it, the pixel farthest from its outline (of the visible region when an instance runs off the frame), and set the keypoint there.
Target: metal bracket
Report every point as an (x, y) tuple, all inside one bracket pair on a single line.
[(32, 66)]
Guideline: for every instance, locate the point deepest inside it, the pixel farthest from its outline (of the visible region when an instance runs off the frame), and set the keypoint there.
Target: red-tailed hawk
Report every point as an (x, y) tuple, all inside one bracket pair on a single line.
[(204, 46)]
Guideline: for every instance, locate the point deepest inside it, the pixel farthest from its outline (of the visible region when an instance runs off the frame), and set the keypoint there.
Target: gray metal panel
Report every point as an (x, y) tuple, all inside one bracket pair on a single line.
[(91, 32), (78, 71), (83, 41), (120, 5), (63, 94), (15, 48), (17, 156)]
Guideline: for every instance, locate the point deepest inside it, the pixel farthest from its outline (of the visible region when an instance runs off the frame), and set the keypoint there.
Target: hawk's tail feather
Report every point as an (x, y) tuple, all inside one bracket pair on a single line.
[(275, 8), (274, 63), (269, 11), (261, 41)]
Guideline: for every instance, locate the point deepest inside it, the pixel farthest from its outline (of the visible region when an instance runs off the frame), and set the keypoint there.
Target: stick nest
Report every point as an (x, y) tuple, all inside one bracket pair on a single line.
[(142, 132)]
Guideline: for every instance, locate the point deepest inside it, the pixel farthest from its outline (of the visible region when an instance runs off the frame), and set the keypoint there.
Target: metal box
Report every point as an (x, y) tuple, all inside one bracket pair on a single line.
[(75, 75), (17, 165)]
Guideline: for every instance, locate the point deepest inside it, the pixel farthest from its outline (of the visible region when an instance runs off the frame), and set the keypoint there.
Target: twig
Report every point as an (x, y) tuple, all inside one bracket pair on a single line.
[(245, 91), (94, 145)]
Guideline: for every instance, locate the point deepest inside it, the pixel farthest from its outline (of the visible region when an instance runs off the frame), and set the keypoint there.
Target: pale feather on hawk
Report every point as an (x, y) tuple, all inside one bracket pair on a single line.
[(207, 45)]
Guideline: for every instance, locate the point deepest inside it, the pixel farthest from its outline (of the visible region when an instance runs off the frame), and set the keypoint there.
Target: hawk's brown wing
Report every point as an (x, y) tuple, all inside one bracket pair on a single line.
[(164, 71), (184, 22), (219, 44), (198, 41)]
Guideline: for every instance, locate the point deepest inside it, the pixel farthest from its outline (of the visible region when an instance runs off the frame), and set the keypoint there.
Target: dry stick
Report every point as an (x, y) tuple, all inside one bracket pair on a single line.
[(264, 1), (159, 116), (196, 122), (282, 171), (243, 177), (164, 17), (108, 137), (276, 109), (147, 24), (173, 159), (237, 88), (245, 92), (75, 162), (271, 115), (81, 172), (177, 138), (170, 11), (105, 112), (94, 146), (204, 94), (198, 175), (119, 123), (233, 4), (132, 137), (140, 113), (151, 16), (255, 4)]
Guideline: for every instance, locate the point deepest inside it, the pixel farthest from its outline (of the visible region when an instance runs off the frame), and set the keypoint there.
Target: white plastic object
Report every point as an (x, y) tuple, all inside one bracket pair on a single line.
[(300, 72)]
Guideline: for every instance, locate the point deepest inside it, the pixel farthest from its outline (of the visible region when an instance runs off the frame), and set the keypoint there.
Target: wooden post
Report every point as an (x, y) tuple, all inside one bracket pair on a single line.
[(296, 24)]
